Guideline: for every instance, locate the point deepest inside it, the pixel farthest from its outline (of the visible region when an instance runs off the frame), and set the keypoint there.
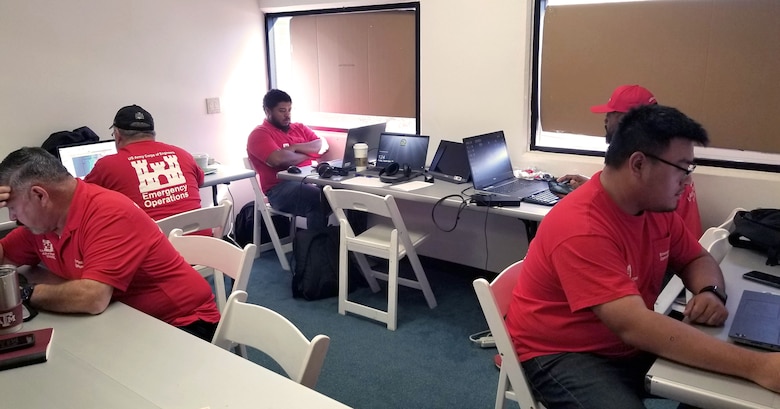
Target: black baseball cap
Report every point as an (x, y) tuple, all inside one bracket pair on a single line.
[(133, 118)]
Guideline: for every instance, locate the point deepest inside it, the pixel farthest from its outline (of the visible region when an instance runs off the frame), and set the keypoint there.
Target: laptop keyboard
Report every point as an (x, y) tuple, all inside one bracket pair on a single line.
[(508, 188), (545, 198)]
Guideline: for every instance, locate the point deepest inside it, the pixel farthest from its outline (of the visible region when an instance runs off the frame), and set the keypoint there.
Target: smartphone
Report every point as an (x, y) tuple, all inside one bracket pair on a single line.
[(763, 278), (17, 342)]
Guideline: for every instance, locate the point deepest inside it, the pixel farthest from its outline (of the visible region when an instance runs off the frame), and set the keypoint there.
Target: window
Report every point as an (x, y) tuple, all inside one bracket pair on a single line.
[(719, 70), (348, 67)]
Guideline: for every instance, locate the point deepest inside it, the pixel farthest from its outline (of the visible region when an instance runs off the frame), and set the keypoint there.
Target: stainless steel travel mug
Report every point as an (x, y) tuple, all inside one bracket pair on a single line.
[(10, 301)]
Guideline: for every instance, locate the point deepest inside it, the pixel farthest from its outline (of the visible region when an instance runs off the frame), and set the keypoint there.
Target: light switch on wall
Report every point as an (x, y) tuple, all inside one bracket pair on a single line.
[(212, 106)]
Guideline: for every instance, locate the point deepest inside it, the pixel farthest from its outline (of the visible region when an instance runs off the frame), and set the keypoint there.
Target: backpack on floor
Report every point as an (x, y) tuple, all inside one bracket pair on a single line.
[(244, 227), (316, 263), (758, 229)]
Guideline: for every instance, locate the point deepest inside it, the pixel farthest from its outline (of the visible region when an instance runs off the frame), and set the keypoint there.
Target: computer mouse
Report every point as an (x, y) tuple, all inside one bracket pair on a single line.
[(293, 169), (563, 188)]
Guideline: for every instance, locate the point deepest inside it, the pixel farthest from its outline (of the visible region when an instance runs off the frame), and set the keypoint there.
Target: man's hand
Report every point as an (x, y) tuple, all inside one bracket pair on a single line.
[(575, 181), (706, 308), (5, 193)]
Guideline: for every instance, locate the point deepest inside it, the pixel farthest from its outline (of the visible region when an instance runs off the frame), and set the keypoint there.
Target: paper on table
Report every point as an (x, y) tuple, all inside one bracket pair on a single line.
[(364, 181), (417, 184)]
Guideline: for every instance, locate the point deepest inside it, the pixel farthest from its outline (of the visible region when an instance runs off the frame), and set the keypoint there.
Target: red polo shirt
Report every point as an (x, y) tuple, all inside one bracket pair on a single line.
[(107, 238)]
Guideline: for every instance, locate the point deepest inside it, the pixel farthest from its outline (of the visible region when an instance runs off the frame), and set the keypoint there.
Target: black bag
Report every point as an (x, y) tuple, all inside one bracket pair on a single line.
[(244, 227), (316, 263), (62, 138), (758, 229)]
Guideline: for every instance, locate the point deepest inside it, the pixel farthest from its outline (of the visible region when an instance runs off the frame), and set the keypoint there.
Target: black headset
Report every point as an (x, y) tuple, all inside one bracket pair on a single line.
[(325, 170), (393, 169)]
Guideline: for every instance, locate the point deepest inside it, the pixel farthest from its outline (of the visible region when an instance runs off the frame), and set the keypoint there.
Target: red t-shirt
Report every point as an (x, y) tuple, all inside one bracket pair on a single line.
[(265, 139), (688, 209), (107, 238), (161, 179), (588, 252)]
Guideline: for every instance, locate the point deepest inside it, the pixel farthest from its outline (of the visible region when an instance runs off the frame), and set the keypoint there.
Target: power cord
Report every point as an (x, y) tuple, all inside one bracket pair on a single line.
[(483, 339), (461, 206)]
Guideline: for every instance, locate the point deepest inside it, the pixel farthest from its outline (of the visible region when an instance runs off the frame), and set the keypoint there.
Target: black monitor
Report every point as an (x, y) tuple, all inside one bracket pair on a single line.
[(450, 162)]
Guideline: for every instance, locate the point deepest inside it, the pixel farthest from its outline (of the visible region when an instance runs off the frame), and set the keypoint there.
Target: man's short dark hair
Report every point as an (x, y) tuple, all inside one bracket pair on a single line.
[(273, 97), (27, 166), (650, 129)]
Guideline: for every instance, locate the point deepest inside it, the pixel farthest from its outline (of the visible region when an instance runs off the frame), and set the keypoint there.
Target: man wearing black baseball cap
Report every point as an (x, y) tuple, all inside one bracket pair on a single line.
[(162, 179)]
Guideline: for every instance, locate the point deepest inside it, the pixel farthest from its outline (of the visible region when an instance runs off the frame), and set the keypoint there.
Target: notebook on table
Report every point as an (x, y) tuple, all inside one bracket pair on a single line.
[(365, 134), (492, 173), (404, 149), (757, 321), (79, 159)]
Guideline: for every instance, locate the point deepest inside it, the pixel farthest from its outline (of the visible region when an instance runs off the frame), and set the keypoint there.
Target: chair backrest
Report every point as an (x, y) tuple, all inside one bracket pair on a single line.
[(214, 217), (494, 298), (715, 240), (385, 206), (223, 257), (259, 195), (274, 335)]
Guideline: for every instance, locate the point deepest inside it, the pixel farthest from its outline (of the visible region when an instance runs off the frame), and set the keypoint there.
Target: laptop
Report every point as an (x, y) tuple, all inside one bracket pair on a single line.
[(492, 174), (404, 149), (365, 134), (757, 321), (450, 162), (80, 158)]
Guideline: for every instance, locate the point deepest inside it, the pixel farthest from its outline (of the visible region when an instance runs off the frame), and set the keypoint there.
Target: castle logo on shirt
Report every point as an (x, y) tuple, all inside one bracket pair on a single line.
[(160, 179), (48, 249)]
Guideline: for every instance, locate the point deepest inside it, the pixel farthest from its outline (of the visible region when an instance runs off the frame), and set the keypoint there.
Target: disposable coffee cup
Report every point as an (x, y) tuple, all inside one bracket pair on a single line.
[(10, 302), (361, 156)]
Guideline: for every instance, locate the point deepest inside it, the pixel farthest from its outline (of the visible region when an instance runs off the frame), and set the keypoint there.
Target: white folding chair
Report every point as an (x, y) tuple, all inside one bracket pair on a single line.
[(274, 335), (716, 241), (215, 218), (223, 257), (494, 298), (265, 211), (389, 240)]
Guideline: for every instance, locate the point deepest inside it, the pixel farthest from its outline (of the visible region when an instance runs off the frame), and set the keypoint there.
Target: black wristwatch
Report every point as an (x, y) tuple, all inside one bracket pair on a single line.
[(26, 292), (717, 291)]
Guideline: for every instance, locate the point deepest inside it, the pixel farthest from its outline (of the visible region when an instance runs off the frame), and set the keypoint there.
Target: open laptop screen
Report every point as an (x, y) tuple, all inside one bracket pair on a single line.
[(365, 134), (79, 159), (402, 148), (488, 159)]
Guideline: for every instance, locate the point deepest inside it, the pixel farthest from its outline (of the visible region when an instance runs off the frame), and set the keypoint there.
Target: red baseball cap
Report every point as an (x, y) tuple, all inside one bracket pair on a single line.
[(624, 98)]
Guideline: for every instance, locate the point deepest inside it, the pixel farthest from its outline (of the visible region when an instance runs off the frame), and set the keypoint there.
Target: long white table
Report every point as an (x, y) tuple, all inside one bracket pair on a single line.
[(711, 390), (431, 193), (124, 358), (225, 175)]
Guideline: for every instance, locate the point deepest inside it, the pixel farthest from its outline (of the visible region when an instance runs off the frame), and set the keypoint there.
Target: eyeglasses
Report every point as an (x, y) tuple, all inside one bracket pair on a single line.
[(687, 170)]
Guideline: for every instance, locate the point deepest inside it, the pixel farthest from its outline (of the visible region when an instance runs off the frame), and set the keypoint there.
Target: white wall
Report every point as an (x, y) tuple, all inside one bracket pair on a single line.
[(72, 63)]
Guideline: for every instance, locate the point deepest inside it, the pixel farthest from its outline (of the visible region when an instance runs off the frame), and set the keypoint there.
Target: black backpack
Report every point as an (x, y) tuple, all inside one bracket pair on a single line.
[(316, 265), (758, 229), (244, 227), (63, 138)]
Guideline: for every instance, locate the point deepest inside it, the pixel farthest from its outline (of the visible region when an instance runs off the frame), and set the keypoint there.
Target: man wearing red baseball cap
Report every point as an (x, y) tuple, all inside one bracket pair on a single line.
[(623, 99)]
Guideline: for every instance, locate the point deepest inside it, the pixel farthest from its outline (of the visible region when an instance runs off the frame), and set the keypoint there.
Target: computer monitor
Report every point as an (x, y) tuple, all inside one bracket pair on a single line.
[(450, 162), (405, 149), (79, 159)]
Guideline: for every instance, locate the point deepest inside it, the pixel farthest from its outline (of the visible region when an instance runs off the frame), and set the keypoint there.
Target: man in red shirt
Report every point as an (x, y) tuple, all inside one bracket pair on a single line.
[(99, 246), (622, 100), (581, 316), (161, 179), (277, 144)]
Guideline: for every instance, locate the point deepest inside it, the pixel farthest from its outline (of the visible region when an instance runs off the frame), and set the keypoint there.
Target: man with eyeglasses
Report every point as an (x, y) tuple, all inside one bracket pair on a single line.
[(581, 316), (622, 100)]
